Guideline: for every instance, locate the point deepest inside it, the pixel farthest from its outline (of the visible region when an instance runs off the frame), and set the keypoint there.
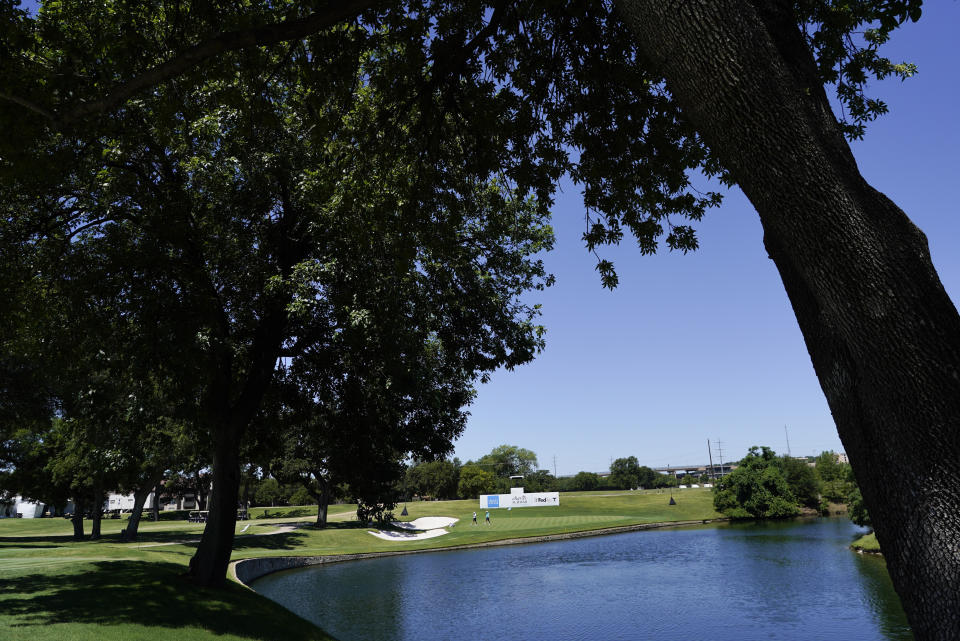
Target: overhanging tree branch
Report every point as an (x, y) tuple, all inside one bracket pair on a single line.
[(23, 102), (264, 35)]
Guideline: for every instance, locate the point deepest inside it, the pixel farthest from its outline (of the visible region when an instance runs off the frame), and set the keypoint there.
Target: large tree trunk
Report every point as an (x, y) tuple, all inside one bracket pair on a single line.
[(201, 496), (139, 500), (209, 564), (97, 515), (323, 501), (882, 333), (77, 519), (156, 501)]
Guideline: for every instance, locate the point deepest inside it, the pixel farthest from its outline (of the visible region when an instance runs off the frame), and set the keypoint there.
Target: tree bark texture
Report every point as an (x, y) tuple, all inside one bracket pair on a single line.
[(139, 500), (209, 564), (883, 335), (77, 520), (156, 500), (97, 515), (323, 500), (201, 496)]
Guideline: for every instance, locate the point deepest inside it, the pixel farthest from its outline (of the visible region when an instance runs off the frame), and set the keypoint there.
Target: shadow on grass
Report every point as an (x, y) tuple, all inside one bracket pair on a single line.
[(35, 541), (121, 593), (284, 513), (285, 541), (338, 525)]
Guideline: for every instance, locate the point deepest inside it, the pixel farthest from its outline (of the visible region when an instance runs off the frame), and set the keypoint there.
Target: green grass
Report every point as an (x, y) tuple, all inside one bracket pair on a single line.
[(867, 543), (53, 588), (298, 511)]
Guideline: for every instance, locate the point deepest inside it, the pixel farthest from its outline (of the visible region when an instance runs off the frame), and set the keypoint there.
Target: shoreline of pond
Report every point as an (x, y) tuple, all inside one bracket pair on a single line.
[(867, 544), (245, 571)]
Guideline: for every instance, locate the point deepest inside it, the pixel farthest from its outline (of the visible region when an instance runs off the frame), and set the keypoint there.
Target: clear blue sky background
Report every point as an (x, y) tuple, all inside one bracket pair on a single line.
[(706, 346)]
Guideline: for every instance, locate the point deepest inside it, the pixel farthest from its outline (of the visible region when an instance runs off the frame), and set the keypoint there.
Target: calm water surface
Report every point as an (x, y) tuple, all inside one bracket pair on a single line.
[(794, 580)]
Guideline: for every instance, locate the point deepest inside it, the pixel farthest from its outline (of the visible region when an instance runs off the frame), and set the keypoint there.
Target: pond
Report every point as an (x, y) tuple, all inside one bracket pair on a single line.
[(784, 580)]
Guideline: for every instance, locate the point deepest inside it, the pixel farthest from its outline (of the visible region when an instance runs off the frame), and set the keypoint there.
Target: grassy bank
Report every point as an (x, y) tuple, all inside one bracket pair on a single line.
[(53, 588), (867, 543)]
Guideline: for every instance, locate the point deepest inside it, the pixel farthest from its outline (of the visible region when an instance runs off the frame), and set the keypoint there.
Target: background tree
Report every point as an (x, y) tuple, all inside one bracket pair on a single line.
[(302, 496), (625, 473), (268, 492), (803, 481), (435, 479), (509, 460), (758, 488), (837, 478), (583, 481), (647, 477), (474, 481), (829, 467), (29, 451), (858, 510), (540, 481)]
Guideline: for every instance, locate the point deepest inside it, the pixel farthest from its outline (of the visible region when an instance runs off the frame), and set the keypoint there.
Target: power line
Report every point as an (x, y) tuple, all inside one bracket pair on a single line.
[(720, 451)]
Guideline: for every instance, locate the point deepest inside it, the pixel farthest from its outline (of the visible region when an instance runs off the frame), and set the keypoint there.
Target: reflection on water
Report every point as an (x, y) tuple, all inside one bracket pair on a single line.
[(879, 595), (785, 580)]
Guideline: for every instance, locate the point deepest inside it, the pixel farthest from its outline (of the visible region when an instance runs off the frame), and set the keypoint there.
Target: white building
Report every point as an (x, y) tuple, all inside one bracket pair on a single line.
[(124, 502), (19, 505)]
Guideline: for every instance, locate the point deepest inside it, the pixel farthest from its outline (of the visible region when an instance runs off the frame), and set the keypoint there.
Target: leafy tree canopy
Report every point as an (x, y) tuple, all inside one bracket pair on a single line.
[(564, 87), (436, 479), (509, 460), (803, 481), (758, 488), (583, 481), (625, 473), (474, 481)]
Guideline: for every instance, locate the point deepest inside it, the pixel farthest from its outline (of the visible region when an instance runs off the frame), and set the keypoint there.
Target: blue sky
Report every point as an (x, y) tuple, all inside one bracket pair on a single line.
[(706, 346)]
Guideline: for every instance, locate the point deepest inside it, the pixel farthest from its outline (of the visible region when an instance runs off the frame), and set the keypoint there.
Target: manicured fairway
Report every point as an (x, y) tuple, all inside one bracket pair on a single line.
[(52, 588)]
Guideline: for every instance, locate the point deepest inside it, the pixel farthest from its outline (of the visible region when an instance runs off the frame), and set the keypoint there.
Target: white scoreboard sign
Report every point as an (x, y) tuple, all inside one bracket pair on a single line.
[(532, 499)]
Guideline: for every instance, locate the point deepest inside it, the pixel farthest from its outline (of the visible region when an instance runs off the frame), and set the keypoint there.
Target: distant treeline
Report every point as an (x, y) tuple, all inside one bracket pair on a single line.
[(765, 485)]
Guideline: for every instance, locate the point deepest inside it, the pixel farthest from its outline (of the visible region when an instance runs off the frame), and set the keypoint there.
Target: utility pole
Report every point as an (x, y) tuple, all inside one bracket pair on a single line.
[(787, 434), (713, 471), (554, 465)]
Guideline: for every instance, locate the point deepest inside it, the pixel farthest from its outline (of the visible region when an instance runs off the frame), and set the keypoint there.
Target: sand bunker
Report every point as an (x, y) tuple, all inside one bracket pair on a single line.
[(426, 527)]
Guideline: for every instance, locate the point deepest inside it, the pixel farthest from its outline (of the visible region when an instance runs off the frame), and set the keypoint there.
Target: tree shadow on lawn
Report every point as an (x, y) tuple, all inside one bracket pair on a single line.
[(32, 542), (54, 541), (46, 538), (285, 541), (118, 593), (284, 513), (338, 525)]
